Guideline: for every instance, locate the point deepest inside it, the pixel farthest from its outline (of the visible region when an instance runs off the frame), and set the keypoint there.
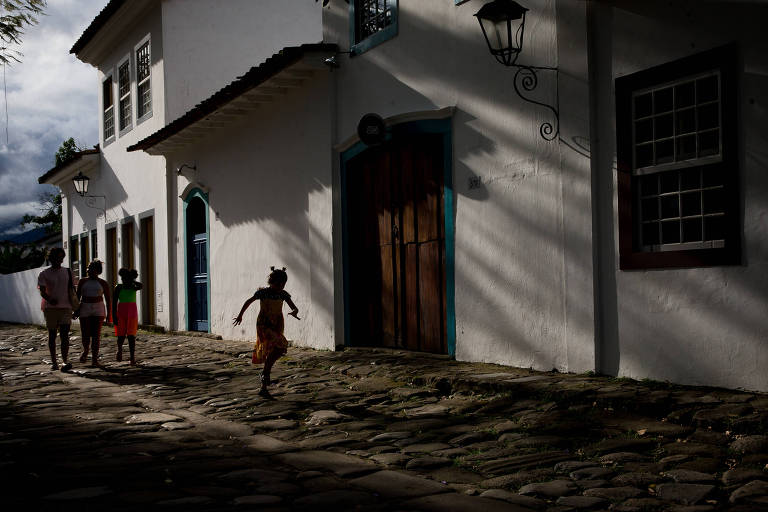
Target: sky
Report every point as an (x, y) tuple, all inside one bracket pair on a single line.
[(50, 96)]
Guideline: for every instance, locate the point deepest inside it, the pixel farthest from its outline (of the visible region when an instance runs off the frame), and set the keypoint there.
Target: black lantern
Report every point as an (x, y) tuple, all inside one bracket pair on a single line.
[(503, 24), (81, 183)]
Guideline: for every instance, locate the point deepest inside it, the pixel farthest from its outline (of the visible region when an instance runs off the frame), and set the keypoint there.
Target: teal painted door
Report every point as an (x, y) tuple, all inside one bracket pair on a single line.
[(197, 266)]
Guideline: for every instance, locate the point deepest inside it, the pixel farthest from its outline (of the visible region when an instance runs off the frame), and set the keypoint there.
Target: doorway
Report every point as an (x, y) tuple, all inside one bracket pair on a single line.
[(196, 229), (395, 245), (147, 230)]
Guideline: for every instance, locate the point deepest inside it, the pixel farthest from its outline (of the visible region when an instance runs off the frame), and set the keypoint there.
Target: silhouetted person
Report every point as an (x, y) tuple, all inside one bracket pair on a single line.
[(55, 284), (93, 291), (270, 342), (124, 312)]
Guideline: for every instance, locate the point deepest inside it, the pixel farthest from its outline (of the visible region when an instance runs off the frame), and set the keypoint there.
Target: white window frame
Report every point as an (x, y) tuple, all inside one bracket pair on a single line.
[(123, 130), (148, 80), (109, 77)]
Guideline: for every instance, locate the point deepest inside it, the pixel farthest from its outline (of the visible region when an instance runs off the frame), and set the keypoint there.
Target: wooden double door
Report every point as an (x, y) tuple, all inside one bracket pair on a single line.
[(396, 245)]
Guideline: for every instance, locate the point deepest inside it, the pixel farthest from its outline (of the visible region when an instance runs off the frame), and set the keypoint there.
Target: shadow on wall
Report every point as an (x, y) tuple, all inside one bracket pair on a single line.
[(107, 185)]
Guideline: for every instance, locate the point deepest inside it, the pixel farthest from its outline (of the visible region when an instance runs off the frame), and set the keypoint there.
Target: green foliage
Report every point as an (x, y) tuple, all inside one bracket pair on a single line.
[(50, 214), (66, 152), (15, 258), (15, 15)]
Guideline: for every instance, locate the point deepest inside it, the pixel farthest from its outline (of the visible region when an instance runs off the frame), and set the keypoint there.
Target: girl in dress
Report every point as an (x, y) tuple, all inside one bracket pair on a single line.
[(93, 291), (270, 342), (125, 313)]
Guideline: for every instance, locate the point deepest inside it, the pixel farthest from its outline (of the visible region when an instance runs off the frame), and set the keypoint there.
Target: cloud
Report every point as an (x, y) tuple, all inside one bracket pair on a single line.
[(51, 96)]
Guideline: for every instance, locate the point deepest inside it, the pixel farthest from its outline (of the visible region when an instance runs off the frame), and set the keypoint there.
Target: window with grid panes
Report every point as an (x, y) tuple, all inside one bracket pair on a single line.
[(108, 108), (373, 22), (144, 93), (677, 179), (124, 90)]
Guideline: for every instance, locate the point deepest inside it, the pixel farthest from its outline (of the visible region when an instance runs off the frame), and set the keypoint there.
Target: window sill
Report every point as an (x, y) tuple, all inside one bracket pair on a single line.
[(143, 118), (125, 131), (108, 141), (373, 40)]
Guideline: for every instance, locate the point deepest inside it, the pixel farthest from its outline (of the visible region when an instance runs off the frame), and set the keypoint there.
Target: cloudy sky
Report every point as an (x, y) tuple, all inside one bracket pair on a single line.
[(50, 97)]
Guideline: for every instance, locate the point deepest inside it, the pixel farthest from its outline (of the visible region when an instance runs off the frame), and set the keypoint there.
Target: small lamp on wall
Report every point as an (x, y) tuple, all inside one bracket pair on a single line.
[(503, 26), (81, 183)]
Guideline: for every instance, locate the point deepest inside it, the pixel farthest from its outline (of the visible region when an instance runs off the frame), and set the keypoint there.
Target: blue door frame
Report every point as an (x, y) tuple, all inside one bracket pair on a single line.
[(197, 278), (432, 126)]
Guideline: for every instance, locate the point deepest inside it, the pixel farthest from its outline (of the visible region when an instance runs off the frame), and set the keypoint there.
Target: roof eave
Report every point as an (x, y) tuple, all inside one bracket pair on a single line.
[(261, 84), (84, 161)]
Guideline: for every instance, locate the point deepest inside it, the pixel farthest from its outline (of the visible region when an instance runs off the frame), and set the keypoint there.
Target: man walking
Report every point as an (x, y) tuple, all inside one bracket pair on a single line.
[(55, 283)]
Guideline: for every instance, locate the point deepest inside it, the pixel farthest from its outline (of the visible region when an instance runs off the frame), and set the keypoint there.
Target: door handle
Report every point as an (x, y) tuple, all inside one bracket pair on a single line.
[(395, 231)]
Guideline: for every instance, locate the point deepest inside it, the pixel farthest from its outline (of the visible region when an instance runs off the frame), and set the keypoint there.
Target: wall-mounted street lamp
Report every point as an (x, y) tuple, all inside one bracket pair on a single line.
[(81, 187), (503, 26)]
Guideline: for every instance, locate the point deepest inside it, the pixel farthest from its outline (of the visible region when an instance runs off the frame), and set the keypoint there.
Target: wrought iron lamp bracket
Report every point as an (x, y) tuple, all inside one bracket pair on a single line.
[(527, 79)]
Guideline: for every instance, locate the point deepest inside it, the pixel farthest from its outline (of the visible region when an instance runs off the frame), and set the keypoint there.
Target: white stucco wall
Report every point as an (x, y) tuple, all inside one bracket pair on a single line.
[(208, 43), (268, 179), (701, 326), (513, 275), (133, 183), (21, 298)]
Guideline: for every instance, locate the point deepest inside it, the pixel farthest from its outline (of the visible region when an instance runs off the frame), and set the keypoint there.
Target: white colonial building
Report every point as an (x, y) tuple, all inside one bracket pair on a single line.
[(615, 223)]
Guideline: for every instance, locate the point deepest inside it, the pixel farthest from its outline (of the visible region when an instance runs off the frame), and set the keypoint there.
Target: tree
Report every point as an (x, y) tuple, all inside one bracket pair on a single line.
[(50, 213), (50, 203), (66, 152), (15, 258), (15, 15)]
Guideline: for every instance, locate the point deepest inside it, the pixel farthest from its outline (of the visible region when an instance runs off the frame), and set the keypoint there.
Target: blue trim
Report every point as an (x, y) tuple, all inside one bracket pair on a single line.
[(429, 126), (196, 192), (357, 47)]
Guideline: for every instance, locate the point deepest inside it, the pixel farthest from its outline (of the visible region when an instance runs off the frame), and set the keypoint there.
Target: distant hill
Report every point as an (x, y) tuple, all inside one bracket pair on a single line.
[(28, 237)]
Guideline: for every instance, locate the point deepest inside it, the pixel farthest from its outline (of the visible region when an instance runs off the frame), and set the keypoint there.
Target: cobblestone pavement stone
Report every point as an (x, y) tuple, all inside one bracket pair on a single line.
[(362, 430)]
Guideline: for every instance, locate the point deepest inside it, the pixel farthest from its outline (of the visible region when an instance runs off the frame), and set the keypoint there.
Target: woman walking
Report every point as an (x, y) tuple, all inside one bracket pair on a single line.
[(93, 292)]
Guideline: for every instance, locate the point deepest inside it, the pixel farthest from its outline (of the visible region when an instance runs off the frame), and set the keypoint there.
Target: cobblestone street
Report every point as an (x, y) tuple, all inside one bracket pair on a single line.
[(362, 430)]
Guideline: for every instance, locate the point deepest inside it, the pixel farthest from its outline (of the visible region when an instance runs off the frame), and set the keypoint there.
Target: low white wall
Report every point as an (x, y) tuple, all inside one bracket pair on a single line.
[(21, 298)]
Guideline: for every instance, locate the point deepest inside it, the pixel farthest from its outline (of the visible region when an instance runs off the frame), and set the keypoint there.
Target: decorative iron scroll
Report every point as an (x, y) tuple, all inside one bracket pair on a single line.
[(526, 77)]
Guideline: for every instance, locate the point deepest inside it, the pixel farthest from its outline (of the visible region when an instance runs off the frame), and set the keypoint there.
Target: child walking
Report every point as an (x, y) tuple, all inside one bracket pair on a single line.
[(93, 291), (270, 342), (125, 313)]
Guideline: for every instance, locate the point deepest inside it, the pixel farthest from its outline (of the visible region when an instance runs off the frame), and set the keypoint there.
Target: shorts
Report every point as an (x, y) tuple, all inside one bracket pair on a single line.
[(127, 321), (54, 317)]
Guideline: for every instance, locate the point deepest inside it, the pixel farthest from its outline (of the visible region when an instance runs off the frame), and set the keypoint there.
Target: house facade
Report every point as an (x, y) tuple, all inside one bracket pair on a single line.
[(615, 223)]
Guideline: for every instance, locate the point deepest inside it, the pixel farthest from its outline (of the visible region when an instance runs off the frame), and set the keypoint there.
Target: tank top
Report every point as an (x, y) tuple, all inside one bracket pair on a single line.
[(127, 295)]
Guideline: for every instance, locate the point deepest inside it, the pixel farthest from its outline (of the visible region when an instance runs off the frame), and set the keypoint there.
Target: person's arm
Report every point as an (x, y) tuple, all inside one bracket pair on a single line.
[(137, 285), (107, 299), (116, 295), (80, 287), (239, 318), (41, 285), (294, 310)]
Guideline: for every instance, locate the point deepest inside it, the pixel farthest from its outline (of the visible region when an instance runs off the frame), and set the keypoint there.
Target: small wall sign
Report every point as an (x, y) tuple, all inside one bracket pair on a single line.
[(371, 129)]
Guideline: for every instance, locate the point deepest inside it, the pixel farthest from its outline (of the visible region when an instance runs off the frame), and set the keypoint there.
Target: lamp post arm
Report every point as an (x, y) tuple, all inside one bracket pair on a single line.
[(88, 203), (527, 79)]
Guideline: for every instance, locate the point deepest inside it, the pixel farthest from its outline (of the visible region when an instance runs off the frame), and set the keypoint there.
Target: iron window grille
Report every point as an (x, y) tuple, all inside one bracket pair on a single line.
[(124, 86), (678, 172), (108, 109), (676, 128), (372, 23), (144, 92)]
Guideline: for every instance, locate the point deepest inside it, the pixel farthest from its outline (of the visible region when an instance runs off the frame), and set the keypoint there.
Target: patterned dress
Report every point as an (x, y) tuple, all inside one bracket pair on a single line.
[(269, 324)]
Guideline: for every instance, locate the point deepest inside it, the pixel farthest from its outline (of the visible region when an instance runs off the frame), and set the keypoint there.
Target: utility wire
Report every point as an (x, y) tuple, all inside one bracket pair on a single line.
[(5, 93)]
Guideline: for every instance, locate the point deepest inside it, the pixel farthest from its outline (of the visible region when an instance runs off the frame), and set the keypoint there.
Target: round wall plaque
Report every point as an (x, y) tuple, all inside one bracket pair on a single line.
[(371, 129)]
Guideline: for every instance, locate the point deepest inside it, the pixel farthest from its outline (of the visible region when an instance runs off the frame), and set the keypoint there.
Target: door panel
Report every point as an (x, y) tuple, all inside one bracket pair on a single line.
[(395, 245)]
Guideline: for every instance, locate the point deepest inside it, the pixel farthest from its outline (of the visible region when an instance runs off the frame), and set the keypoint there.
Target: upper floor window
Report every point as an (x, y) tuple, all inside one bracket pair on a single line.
[(124, 91), (372, 23), (108, 108), (144, 92), (678, 197)]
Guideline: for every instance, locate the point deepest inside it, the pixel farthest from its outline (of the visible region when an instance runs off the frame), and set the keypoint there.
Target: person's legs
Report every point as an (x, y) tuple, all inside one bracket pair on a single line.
[(132, 349), (120, 340), (85, 332), (64, 332), (52, 348), (95, 338), (266, 373)]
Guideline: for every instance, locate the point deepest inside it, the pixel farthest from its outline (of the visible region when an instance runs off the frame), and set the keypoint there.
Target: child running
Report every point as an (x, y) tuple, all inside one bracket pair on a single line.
[(124, 312), (270, 342)]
